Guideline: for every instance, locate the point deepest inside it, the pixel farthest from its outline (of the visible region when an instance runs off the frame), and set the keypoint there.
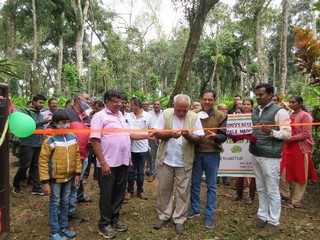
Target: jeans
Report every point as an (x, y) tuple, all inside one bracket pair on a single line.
[(136, 170), (153, 152), (77, 191), (112, 190), (29, 159), (209, 163), (267, 174), (59, 200)]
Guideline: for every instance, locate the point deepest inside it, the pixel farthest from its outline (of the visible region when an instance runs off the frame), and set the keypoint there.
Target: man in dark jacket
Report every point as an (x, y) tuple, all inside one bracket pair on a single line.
[(79, 120), (30, 149)]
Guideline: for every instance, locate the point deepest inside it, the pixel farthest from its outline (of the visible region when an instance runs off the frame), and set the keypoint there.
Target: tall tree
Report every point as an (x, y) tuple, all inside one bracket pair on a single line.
[(60, 55), (34, 64), (286, 4), (260, 41), (81, 13), (197, 13), (313, 19)]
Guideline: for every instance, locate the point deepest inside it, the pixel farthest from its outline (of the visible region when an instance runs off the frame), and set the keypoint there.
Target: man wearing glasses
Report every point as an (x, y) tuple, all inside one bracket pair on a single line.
[(112, 149), (207, 158)]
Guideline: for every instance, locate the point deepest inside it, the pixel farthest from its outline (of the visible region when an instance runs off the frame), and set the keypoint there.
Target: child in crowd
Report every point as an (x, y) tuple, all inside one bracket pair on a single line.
[(59, 160)]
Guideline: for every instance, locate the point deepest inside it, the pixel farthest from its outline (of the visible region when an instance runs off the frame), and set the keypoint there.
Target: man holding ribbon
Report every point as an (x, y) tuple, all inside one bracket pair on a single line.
[(272, 128), (174, 161), (111, 143), (208, 157)]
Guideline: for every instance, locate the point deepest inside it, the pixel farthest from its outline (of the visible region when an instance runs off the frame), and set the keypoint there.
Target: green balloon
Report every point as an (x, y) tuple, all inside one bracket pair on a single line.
[(21, 125)]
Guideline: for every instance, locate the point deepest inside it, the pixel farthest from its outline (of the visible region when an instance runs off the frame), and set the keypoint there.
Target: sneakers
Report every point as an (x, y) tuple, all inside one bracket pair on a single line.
[(192, 214), (57, 236), (120, 227), (76, 216), (16, 189), (68, 233), (208, 222), (107, 232), (160, 224), (38, 192), (259, 223), (179, 228), (268, 231)]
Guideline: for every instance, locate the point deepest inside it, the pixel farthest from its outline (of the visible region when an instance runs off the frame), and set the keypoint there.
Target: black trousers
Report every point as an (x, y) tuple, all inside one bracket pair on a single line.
[(91, 159), (29, 158), (112, 191)]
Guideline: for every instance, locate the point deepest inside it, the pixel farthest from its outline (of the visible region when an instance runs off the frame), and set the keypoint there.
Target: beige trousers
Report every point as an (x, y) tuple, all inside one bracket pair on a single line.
[(298, 189), (168, 177)]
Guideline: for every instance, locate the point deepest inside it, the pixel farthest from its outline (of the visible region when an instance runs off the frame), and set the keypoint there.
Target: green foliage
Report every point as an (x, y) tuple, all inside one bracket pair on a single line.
[(19, 101), (254, 67), (71, 78), (316, 113), (6, 69), (153, 81), (163, 99), (221, 58), (310, 93)]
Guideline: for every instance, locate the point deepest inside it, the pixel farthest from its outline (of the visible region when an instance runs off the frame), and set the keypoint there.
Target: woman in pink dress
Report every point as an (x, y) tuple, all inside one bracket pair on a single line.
[(297, 165)]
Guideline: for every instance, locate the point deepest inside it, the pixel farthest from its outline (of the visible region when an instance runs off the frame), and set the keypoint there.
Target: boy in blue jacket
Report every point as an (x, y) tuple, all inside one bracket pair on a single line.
[(59, 160)]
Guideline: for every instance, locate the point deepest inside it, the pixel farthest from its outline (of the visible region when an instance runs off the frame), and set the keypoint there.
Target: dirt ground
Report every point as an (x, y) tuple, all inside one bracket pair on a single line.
[(30, 220)]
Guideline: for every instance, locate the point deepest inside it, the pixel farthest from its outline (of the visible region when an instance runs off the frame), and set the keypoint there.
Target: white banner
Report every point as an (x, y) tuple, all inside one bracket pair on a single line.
[(236, 160), (238, 124)]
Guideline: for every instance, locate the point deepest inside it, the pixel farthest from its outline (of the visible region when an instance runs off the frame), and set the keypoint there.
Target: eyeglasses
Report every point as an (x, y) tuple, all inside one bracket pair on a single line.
[(207, 99), (116, 102)]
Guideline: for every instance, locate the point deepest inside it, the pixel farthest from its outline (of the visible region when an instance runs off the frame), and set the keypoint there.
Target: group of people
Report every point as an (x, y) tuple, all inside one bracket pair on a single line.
[(180, 144)]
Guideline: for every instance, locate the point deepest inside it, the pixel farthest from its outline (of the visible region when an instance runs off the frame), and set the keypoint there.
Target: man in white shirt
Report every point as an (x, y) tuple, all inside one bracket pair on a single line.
[(138, 119), (266, 156), (53, 107), (174, 162), (155, 114)]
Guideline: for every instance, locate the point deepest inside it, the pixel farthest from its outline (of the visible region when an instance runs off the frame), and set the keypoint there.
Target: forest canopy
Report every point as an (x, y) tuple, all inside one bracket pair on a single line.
[(59, 47)]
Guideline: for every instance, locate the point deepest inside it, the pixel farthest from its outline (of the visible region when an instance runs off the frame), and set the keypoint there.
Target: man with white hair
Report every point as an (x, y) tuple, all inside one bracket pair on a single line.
[(174, 161)]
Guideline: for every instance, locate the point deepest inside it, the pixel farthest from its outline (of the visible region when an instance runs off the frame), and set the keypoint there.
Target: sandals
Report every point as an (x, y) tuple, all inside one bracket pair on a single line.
[(291, 206)]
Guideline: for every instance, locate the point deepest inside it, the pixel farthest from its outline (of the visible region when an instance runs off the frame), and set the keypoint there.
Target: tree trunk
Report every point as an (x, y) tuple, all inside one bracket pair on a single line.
[(196, 27), (218, 87), (240, 73), (81, 16), (33, 80), (13, 33), (89, 85), (283, 57), (216, 58), (313, 19), (60, 58), (262, 59), (274, 70)]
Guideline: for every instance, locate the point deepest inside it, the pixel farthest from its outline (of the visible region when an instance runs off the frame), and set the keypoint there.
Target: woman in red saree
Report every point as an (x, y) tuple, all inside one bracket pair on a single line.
[(297, 165)]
